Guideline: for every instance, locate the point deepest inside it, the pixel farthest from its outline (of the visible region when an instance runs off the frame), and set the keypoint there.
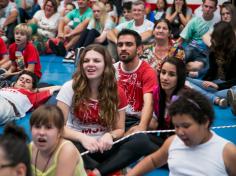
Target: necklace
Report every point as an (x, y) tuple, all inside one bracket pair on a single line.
[(46, 165), (161, 52)]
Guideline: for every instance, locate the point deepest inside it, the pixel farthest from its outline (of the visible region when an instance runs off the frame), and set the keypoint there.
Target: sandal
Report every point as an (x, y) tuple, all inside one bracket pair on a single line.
[(231, 96), (221, 102)]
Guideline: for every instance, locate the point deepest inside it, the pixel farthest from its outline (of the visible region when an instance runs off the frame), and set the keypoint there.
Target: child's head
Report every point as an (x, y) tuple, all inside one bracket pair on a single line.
[(161, 4), (109, 6), (192, 103), (69, 7), (127, 10), (27, 80), (23, 29), (48, 115)]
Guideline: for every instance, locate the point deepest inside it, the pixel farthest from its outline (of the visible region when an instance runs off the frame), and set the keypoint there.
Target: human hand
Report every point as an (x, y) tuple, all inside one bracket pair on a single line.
[(134, 129), (178, 8), (90, 143), (54, 89), (105, 142), (68, 35), (208, 84), (6, 74)]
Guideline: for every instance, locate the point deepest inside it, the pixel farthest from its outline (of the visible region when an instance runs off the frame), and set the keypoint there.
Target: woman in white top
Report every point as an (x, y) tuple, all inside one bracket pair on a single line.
[(44, 25), (195, 149)]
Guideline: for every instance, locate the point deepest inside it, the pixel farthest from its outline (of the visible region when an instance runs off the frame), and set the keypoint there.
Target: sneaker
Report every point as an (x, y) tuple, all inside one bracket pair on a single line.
[(61, 49), (78, 52), (231, 97), (223, 103), (53, 47), (70, 54)]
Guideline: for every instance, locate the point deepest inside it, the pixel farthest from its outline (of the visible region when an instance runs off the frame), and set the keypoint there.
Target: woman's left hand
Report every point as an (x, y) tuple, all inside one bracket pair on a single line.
[(207, 84), (105, 142)]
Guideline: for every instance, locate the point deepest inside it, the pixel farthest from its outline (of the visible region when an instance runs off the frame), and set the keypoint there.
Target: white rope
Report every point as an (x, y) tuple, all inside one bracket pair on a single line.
[(158, 131)]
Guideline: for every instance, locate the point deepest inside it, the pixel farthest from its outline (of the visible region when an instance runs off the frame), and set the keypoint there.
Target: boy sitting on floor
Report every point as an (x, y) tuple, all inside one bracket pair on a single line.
[(23, 54)]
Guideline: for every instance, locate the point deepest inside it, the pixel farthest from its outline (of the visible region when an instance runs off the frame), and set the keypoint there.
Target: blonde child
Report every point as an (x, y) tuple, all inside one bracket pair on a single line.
[(23, 54)]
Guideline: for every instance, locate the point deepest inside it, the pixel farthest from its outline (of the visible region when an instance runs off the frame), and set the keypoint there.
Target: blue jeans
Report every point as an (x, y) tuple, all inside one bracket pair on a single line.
[(210, 92), (194, 54)]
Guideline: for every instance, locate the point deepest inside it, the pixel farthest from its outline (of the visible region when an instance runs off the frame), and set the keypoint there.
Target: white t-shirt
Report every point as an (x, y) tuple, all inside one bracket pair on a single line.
[(85, 121), (20, 100), (201, 160), (47, 23), (146, 26)]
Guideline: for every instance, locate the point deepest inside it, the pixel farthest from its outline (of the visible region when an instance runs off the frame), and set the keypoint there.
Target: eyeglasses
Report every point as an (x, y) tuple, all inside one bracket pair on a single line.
[(6, 165)]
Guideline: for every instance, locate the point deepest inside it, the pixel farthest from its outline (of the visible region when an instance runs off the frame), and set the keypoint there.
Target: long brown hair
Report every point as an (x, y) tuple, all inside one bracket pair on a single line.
[(223, 41), (107, 90)]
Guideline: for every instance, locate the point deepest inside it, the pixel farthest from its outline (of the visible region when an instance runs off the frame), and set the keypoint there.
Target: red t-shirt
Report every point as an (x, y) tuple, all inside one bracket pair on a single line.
[(3, 48), (91, 115), (135, 84), (36, 98), (30, 55)]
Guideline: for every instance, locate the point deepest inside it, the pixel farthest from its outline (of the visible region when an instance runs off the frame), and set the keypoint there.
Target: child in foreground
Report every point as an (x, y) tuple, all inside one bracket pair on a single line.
[(51, 155), (194, 144)]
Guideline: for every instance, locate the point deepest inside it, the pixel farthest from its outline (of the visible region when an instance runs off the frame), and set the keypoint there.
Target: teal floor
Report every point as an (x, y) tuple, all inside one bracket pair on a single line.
[(55, 72)]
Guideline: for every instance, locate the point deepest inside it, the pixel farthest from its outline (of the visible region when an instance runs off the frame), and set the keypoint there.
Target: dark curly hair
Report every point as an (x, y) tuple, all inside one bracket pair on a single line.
[(193, 103)]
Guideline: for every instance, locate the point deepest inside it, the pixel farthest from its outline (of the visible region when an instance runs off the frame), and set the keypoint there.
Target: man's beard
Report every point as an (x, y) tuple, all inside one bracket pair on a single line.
[(127, 60)]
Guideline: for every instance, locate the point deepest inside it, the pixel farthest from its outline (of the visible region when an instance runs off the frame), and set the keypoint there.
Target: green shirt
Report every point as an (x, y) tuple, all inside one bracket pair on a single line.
[(196, 28), (78, 18)]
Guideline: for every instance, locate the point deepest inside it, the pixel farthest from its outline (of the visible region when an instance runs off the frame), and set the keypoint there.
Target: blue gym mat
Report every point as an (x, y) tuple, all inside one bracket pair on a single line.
[(56, 72)]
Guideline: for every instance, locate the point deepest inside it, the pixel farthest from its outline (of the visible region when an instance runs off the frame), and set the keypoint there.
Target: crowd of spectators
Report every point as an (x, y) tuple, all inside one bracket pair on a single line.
[(132, 60)]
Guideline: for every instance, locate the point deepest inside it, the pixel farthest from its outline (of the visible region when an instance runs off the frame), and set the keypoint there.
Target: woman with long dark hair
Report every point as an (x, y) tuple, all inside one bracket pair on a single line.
[(94, 109), (171, 79), (222, 73)]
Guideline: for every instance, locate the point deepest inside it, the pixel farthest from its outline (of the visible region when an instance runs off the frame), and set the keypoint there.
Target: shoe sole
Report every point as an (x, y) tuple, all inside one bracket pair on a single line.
[(230, 96), (233, 107), (232, 101), (68, 61)]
